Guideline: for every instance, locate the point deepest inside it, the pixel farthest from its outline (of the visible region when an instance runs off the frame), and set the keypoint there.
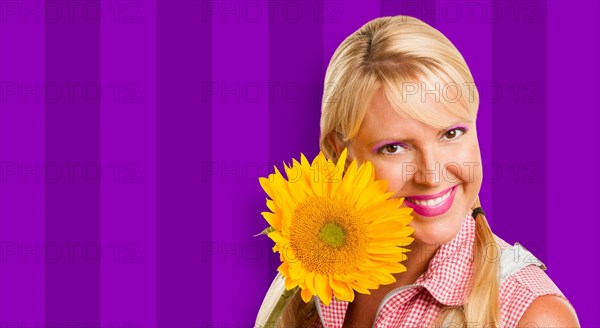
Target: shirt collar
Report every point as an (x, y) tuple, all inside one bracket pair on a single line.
[(449, 272)]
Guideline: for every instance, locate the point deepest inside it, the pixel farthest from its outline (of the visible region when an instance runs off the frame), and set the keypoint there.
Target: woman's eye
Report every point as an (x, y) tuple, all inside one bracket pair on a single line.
[(391, 149), (454, 133)]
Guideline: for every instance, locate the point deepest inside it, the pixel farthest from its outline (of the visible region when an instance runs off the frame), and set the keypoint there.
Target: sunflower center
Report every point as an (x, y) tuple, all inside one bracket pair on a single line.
[(332, 234), (328, 235)]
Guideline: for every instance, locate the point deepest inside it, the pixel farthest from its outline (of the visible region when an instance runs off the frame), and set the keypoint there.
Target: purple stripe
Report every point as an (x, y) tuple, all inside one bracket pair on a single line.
[(184, 132), (73, 142), (128, 133), (338, 27), (468, 27), (519, 124), (296, 66), (21, 161), (424, 10), (573, 156), (240, 121)]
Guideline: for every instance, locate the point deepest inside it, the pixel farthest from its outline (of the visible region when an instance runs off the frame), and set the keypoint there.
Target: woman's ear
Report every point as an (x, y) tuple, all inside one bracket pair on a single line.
[(335, 140)]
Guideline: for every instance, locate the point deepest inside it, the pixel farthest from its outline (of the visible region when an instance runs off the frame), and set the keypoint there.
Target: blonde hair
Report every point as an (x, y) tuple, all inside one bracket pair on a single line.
[(482, 307), (400, 55), (395, 54)]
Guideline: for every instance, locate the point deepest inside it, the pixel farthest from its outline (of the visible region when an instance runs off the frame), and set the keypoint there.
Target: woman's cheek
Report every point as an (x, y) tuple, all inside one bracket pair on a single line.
[(393, 174), (468, 168)]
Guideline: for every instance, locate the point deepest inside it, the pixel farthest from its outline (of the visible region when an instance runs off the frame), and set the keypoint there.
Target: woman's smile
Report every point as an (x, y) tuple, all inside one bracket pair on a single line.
[(432, 205)]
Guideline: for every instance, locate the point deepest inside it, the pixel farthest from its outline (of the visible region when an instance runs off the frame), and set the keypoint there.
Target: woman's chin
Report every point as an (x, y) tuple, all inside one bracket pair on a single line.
[(436, 229), (434, 232)]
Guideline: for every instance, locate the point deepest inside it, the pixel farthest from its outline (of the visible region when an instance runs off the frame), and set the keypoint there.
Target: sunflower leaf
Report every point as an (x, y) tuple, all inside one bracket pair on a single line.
[(265, 232)]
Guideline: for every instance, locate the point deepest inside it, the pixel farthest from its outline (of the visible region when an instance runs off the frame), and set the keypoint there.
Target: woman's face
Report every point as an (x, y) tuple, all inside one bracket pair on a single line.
[(420, 161)]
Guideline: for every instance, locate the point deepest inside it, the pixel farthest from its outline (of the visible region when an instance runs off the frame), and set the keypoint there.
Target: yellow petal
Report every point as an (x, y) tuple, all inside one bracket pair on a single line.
[(318, 166), (282, 195), (290, 172), (287, 254), (295, 183), (306, 295), (303, 181), (266, 185), (341, 290), (306, 172), (391, 202), (395, 241), (336, 179), (381, 228), (347, 181), (384, 250), (323, 289), (290, 283), (397, 216), (393, 267), (359, 288), (296, 270), (310, 282), (391, 264), (271, 206), (283, 269), (398, 234), (364, 176), (276, 236), (374, 193), (365, 281), (384, 278), (294, 273), (273, 219), (385, 257), (343, 277)]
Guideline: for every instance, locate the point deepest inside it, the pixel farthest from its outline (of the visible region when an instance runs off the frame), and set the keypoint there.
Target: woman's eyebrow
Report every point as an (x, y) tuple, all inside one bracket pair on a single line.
[(400, 139), (386, 140)]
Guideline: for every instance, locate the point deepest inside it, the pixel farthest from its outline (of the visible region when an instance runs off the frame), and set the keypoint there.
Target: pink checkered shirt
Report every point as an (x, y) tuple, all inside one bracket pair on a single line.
[(444, 284)]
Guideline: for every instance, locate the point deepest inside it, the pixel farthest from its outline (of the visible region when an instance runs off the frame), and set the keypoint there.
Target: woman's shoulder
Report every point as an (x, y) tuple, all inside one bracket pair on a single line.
[(529, 295), (523, 286), (521, 269), (523, 280)]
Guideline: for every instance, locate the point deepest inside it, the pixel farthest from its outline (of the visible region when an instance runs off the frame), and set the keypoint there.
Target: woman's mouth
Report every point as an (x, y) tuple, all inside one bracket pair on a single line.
[(432, 205)]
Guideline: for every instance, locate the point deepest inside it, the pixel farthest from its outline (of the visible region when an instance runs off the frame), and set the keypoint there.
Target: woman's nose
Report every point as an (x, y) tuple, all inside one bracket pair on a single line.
[(428, 168)]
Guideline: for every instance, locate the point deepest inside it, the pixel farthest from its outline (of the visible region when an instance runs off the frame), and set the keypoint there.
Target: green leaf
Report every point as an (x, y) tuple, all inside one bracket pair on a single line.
[(264, 232)]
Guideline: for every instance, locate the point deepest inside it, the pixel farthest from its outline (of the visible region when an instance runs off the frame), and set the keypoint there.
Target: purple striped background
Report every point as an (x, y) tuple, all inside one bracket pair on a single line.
[(132, 134)]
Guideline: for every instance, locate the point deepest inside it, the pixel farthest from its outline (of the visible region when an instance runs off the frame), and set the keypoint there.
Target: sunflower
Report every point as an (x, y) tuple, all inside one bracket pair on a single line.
[(336, 231)]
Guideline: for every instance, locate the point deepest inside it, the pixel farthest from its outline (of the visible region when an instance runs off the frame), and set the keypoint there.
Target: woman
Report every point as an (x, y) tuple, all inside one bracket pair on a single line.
[(400, 95)]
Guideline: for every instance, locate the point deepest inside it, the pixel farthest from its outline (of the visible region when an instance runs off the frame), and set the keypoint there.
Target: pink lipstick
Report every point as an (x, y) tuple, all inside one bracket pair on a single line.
[(432, 205)]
